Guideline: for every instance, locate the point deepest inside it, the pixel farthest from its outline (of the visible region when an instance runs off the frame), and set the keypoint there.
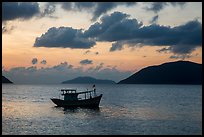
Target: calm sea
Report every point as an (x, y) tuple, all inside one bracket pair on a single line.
[(123, 110)]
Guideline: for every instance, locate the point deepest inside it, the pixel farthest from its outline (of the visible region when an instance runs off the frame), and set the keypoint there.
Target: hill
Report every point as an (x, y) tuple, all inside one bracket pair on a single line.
[(5, 80), (88, 80), (180, 72)]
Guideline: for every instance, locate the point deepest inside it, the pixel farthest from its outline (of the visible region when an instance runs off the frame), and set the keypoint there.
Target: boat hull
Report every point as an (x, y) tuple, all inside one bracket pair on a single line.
[(91, 102)]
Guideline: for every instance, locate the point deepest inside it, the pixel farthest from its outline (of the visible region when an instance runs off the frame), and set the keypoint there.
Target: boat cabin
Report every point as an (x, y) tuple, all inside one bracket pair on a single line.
[(71, 94)]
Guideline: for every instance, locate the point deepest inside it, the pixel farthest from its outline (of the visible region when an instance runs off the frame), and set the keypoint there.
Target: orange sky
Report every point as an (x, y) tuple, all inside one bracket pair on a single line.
[(18, 49)]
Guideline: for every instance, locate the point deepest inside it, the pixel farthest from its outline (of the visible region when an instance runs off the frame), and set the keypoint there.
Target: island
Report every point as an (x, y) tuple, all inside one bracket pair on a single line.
[(5, 80), (179, 72), (88, 80)]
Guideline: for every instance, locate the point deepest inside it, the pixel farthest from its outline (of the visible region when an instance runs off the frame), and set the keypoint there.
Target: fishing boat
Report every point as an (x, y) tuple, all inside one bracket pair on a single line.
[(72, 98)]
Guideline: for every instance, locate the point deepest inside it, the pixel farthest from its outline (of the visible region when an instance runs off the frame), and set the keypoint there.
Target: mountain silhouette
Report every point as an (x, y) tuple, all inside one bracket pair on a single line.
[(5, 80), (179, 72), (88, 80)]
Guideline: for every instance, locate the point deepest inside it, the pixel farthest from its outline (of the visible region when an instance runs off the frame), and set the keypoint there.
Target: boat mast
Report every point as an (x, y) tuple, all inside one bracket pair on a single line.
[(94, 89)]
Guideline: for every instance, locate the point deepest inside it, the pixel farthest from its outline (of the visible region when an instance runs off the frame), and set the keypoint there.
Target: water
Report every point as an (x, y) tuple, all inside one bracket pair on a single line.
[(123, 110)]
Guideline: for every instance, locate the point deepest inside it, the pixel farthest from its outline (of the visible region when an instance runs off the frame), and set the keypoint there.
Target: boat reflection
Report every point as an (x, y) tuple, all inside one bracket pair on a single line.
[(67, 110)]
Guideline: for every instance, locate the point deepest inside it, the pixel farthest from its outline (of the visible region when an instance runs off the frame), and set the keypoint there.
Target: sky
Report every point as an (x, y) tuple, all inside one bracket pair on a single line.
[(51, 42)]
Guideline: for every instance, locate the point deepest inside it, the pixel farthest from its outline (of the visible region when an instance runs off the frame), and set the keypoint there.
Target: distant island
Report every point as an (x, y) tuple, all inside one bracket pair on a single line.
[(88, 80), (179, 72), (5, 80)]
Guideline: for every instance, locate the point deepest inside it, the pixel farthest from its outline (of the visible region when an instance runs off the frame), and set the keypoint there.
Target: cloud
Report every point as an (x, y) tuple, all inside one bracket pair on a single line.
[(62, 66), (19, 10), (99, 67), (48, 10), (86, 62), (34, 61), (96, 8), (112, 73), (184, 56), (64, 37), (86, 52), (165, 50), (119, 29), (157, 6), (104, 7), (61, 72), (181, 39), (43, 62), (7, 29), (116, 46), (107, 22), (154, 19), (27, 10)]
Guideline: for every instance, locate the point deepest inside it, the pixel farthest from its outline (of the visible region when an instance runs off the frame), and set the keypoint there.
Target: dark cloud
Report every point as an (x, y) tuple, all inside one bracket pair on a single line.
[(61, 72), (157, 6), (165, 50), (62, 66), (154, 19), (27, 10), (113, 27), (7, 29), (31, 69), (19, 10), (116, 46), (109, 23), (86, 62), (43, 62), (97, 8), (83, 5), (74, 6), (86, 52), (119, 29), (34, 61), (183, 56), (177, 3), (181, 39), (48, 10), (104, 7), (99, 67), (4, 29), (65, 37)]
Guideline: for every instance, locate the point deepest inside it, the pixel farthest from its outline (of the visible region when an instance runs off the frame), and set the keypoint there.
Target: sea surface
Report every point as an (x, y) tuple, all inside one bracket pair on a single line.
[(123, 110)]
